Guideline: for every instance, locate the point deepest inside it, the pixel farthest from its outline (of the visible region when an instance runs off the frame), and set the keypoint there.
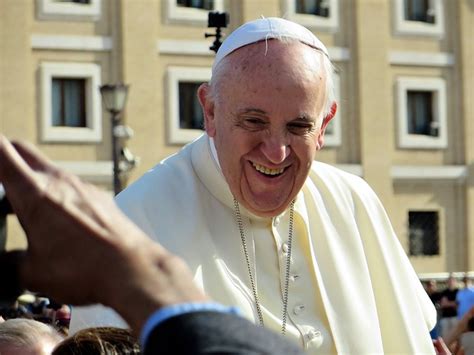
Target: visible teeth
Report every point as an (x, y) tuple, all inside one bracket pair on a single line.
[(267, 171)]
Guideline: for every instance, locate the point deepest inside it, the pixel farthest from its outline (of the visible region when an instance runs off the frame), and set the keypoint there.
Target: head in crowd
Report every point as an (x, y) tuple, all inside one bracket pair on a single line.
[(451, 283), (266, 108), (431, 286), (62, 318), (99, 341), (27, 337), (465, 280)]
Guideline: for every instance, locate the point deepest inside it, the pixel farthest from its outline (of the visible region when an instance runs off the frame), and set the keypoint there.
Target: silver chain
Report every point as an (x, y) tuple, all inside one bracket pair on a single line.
[(240, 224)]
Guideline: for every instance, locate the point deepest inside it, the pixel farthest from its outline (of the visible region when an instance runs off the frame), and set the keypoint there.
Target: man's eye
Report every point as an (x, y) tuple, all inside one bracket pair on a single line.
[(254, 121), (300, 128)]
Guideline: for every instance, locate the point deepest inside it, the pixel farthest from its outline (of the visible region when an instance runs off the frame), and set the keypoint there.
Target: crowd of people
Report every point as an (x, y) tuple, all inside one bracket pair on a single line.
[(33, 337), (40, 308), (455, 311)]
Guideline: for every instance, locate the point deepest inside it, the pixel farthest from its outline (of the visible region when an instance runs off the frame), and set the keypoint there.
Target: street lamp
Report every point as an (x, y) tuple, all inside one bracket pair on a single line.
[(114, 98)]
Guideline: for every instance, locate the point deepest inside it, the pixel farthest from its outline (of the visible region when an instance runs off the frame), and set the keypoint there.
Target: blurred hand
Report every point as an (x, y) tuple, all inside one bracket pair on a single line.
[(81, 248), (440, 347)]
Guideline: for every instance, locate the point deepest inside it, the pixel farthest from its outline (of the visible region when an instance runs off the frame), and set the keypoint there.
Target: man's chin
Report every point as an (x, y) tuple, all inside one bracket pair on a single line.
[(266, 208)]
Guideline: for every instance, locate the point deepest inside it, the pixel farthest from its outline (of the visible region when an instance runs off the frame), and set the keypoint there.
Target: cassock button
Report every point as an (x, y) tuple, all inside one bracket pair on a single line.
[(294, 278), (314, 339), (284, 247), (298, 309), (276, 221)]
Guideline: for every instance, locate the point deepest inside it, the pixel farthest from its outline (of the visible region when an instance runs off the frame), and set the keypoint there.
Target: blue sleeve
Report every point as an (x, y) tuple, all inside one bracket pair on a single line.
[(165, 313)]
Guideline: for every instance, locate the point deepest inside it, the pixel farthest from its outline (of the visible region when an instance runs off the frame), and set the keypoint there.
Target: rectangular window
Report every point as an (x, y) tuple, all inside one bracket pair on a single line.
[(313, 7), (420, 113), (185, 117), (419, 10), (68, 102), (423, 232), (190, 112), (198, 4), (69, 10)]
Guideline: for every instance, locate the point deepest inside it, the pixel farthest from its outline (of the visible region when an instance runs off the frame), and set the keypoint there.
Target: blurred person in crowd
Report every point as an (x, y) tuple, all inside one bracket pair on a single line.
[(431, 287), (27, 337), (465, 297), (448, 306), (101, 256), (289, 240), (62, 318), (99, 341)]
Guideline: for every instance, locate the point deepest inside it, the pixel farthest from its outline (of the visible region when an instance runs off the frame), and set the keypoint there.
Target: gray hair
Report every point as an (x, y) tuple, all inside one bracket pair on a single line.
[(327, 69), (24, 333)]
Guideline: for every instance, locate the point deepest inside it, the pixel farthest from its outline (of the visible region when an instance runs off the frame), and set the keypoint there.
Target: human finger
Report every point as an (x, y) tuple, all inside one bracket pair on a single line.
[(441, 347), (33, 157), (16, 175)]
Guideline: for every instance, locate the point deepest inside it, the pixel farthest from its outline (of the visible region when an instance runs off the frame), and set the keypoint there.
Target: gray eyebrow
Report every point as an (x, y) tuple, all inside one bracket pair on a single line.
[(253, 110)]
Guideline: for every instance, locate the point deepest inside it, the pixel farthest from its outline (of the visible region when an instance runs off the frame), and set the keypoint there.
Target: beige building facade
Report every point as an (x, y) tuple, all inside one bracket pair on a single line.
[(404, 81)]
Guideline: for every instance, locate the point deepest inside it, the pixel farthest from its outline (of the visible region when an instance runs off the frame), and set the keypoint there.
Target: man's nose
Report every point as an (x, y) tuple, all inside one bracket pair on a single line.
[(276, 149)]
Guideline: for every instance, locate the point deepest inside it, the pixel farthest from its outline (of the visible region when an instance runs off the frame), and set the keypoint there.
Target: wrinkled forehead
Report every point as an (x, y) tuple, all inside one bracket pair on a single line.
[(264, 30)]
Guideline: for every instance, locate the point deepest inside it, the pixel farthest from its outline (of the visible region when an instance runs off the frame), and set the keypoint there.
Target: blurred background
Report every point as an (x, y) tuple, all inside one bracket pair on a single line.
[(405, 85)]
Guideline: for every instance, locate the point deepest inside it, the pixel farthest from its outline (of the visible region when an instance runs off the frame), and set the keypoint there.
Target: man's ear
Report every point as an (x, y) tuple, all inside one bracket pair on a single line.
[(207, 104), (325, 123)]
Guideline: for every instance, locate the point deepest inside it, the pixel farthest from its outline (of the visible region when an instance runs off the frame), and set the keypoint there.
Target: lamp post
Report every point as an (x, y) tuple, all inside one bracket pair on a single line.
[(114, 98)]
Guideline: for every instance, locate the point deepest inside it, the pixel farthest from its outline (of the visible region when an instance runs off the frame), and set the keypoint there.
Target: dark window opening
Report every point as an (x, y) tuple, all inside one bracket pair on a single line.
[(69, 102), (313, 7), (423, 232), (198, 4), (190, 113), (420, 113), (419, 10)]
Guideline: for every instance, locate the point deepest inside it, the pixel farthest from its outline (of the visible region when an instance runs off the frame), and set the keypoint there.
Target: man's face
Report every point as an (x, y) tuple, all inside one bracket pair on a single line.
[(266, 122)]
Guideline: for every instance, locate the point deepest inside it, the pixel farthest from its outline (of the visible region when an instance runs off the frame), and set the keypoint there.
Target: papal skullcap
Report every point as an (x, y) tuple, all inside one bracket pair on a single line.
[(263, 29)]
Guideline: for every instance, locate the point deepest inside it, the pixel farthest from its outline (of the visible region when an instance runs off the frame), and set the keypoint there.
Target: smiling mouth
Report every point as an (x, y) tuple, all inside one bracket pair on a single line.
[(268, 171)]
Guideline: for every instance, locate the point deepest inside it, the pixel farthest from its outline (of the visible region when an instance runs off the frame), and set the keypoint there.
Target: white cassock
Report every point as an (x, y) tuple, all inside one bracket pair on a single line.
[(352, 289)]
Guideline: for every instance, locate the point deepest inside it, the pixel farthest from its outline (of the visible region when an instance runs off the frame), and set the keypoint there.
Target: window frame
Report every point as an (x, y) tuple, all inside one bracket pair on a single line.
[(68, 11), (176, 134), (330, 23), (92, 74), (178, 14), (438, 87), (417, 28)]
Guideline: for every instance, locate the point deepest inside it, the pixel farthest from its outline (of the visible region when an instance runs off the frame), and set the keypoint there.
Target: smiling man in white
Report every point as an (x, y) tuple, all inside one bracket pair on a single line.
[(301, 247)]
